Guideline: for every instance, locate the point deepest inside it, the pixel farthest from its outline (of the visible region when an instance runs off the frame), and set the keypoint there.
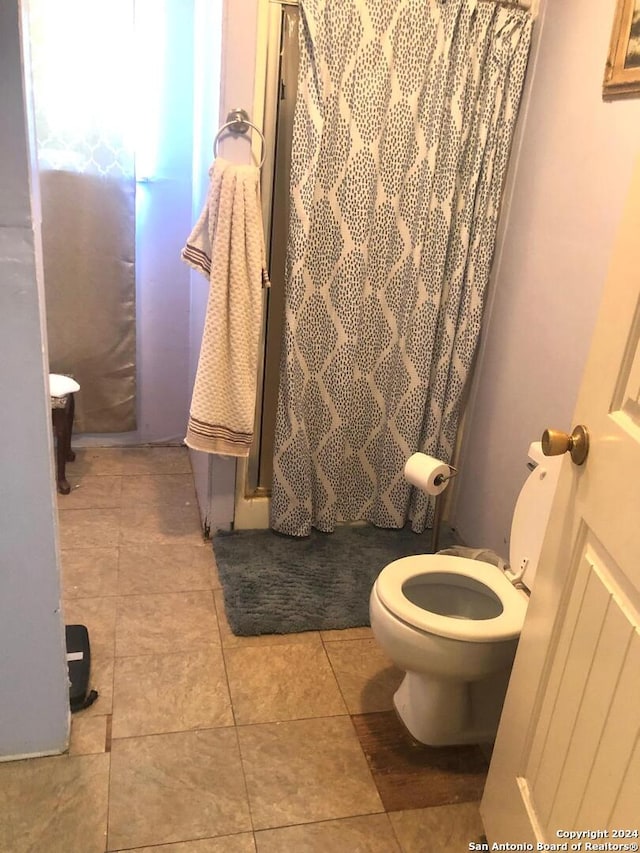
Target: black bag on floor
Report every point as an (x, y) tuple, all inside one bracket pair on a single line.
[(79, 663)]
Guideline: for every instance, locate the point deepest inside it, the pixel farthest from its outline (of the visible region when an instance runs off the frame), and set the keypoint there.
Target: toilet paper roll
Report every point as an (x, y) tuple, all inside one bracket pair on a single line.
[(422, 471)]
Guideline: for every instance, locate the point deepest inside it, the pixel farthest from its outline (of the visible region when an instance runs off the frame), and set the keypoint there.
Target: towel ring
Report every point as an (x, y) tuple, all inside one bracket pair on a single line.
[(238, 122)]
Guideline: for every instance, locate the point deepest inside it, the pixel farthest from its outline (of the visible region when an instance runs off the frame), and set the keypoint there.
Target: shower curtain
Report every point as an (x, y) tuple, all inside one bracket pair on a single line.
[(404, 120), (83, 56)]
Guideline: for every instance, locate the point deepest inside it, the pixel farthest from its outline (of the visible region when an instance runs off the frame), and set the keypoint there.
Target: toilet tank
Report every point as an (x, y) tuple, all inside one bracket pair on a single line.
[(531, 513)]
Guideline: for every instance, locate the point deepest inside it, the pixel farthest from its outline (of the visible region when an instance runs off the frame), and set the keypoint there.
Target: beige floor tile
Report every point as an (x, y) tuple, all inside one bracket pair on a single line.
[(242, 843), (161, 525), (410, 775), (214, 577), (368, 834), (176, 787), (366, 676), (91, 492), (282, 683), (162, 624), (449, 829), (173, 489), (170, 693), (55, 804), (130, 461), (89, 572), (94, 461), (88, 735), (137, 572), (155, 460), (164, 568), (305, 771), (229, 639), (99, 616), (88, 528), (102, 681), (346, 634)]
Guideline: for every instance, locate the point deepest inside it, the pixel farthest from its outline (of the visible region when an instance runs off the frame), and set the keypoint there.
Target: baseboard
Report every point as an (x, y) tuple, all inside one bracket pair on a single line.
[(251, 513), (45, 754)]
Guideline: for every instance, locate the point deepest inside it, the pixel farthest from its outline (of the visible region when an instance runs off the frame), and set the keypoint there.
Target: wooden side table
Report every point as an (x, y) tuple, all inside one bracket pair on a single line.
[(62, 412), (62, 389)]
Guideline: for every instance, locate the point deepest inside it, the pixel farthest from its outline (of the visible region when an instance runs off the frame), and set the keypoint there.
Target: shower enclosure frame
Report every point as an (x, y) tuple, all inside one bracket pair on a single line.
[(253, 487)]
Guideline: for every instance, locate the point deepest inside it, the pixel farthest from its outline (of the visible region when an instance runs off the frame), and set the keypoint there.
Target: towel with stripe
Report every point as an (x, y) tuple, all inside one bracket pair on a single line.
[(227, 247)]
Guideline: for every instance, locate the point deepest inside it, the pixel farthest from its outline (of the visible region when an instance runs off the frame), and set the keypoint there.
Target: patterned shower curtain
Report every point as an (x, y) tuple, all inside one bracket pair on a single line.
[(403, 126)]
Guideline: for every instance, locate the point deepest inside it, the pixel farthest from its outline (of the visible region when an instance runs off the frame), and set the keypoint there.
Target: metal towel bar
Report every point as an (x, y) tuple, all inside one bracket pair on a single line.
[(238, 121)]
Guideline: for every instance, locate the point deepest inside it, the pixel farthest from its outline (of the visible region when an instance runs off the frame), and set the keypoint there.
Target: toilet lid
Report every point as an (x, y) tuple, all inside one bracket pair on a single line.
[(486, 584)]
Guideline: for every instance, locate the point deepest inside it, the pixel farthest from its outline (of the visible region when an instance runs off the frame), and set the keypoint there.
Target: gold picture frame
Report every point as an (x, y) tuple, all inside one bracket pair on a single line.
[(622, 74)]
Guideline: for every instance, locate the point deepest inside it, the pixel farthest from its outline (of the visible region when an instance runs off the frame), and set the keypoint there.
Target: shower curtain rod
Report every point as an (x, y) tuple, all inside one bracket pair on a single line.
[(511, 4)]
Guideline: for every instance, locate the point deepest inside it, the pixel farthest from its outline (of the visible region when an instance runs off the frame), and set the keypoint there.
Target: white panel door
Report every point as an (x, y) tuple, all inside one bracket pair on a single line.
[(567, 754)]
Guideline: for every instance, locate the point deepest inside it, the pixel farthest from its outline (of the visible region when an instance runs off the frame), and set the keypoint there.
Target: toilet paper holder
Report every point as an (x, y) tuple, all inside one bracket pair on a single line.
[(442, 478), (439, 506)]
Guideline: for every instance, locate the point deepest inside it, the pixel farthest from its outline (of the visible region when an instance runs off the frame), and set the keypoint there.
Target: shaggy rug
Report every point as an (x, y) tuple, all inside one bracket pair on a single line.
[(276, 584)]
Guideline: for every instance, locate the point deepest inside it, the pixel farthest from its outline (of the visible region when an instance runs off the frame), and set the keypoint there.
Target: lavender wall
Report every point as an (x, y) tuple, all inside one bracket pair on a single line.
[(163, 213), (34, 699), (567, 186)]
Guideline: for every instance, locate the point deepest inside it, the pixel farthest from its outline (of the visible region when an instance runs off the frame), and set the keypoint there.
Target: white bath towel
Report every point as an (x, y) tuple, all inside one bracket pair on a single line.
[(227, 246)]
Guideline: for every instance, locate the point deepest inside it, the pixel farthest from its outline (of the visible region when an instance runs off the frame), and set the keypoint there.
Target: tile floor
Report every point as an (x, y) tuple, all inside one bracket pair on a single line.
[(203, 742)]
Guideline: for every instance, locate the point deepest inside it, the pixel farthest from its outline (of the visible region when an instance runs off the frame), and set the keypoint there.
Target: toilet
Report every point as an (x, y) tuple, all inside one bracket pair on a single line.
[(452, 623)]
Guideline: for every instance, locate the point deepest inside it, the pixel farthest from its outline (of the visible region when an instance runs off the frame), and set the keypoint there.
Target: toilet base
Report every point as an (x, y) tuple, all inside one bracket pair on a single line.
[(439, 712)]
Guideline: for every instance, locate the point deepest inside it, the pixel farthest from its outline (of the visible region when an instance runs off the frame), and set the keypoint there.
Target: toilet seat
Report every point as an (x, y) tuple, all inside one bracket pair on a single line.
[(505, 626)]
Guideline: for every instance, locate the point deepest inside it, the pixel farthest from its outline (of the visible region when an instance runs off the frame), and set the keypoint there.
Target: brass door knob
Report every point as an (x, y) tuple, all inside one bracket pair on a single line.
[(555, 443)]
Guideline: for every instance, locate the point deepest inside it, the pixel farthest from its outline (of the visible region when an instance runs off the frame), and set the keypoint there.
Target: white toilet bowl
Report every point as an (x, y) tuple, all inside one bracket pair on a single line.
[(452, 624), (469, 635)]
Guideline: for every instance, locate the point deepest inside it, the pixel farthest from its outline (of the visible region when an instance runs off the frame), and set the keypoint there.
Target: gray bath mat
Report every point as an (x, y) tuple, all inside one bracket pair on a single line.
[(277, 584)]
